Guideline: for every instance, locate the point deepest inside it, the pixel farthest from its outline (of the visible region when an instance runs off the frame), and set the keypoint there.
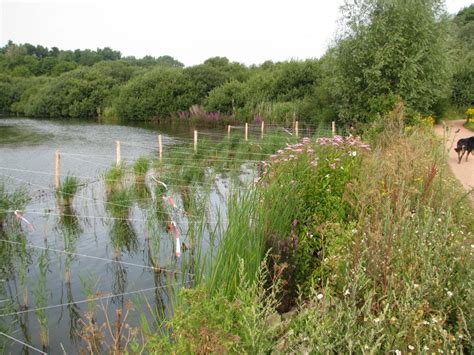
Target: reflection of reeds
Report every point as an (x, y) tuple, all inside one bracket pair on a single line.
[(123, 236), (142, 194), (41, 299), (73, 310), (119, 203), (70, 229)]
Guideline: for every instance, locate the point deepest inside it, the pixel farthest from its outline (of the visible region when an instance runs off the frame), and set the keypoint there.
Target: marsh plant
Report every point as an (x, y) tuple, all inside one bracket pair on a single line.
[(113, 177), (119, 203), (140, 168), (67, 190)]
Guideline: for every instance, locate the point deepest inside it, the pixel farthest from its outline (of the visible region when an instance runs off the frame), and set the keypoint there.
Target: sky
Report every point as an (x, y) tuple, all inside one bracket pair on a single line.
[(246, 31)]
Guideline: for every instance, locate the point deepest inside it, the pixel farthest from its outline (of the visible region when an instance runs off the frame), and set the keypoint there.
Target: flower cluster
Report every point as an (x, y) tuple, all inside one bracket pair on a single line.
[(293, 151), (348, 142), (209, 116)]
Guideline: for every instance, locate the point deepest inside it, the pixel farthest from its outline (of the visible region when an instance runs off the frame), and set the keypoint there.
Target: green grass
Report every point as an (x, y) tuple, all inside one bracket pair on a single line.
[(469, 125)]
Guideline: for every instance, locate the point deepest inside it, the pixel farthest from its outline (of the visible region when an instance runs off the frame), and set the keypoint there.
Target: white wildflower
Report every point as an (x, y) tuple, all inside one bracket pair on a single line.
[(320, 296)]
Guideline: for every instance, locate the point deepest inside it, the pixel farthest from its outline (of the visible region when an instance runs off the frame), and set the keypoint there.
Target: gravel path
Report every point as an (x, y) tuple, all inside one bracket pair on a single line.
[(464, 172)]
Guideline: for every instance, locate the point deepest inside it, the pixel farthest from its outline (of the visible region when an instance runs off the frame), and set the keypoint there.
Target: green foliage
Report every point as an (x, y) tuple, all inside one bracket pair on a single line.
[(158, 93), (390, 49), (204, 324), (403, 285), (204, 78), (79, 93), (226, 98), (381, 265), (463, 43)]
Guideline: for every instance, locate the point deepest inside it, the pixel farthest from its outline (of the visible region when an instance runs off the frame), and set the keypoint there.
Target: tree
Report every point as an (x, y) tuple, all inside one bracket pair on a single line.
[(463, 78), (203, 78), (391, 49), (226, 98), (158, 93)]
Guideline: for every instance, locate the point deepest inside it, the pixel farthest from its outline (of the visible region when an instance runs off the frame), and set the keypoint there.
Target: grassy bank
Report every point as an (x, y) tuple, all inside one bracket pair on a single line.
[(340, 248)]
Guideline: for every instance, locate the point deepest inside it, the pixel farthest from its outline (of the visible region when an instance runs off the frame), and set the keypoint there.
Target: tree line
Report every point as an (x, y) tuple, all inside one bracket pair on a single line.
[(387, 51)]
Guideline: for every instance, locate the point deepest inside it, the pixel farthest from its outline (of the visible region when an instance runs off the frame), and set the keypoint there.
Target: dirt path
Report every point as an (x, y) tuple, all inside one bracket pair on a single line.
[(464, 172)]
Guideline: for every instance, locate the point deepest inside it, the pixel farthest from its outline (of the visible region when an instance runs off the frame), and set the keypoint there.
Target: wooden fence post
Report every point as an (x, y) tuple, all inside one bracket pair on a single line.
[(228, 131), (160, 147), (333, 126), (296, 129), (195, 141), (246, 131), (117, 153), (263, 128), (57, 179)]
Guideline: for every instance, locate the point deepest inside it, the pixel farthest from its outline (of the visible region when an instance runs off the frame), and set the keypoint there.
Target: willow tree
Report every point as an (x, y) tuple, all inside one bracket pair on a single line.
[(390, 50)]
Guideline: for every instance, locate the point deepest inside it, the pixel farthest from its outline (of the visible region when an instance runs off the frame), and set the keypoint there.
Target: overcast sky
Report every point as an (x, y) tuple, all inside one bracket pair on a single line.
[(247, 31)]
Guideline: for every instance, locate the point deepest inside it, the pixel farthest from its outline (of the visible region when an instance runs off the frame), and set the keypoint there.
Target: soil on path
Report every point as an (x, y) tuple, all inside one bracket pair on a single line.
[(464, 172)]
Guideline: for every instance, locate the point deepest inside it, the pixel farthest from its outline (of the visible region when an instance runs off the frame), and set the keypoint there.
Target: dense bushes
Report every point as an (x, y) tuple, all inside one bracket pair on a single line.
[(388, 51), (158, 93)]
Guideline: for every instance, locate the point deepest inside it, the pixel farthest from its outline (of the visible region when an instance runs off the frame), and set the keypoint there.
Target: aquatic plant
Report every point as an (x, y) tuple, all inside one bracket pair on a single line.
[(113, 176), (140, 168), (66, 191), (119, 202)]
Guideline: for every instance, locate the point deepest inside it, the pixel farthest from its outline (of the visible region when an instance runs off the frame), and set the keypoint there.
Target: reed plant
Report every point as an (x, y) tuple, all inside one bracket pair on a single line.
[(66, 191), (113, 177), (140, 168)]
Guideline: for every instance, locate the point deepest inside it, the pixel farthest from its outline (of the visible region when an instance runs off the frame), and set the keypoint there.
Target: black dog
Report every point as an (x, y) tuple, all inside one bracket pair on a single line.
[(464, 145)]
